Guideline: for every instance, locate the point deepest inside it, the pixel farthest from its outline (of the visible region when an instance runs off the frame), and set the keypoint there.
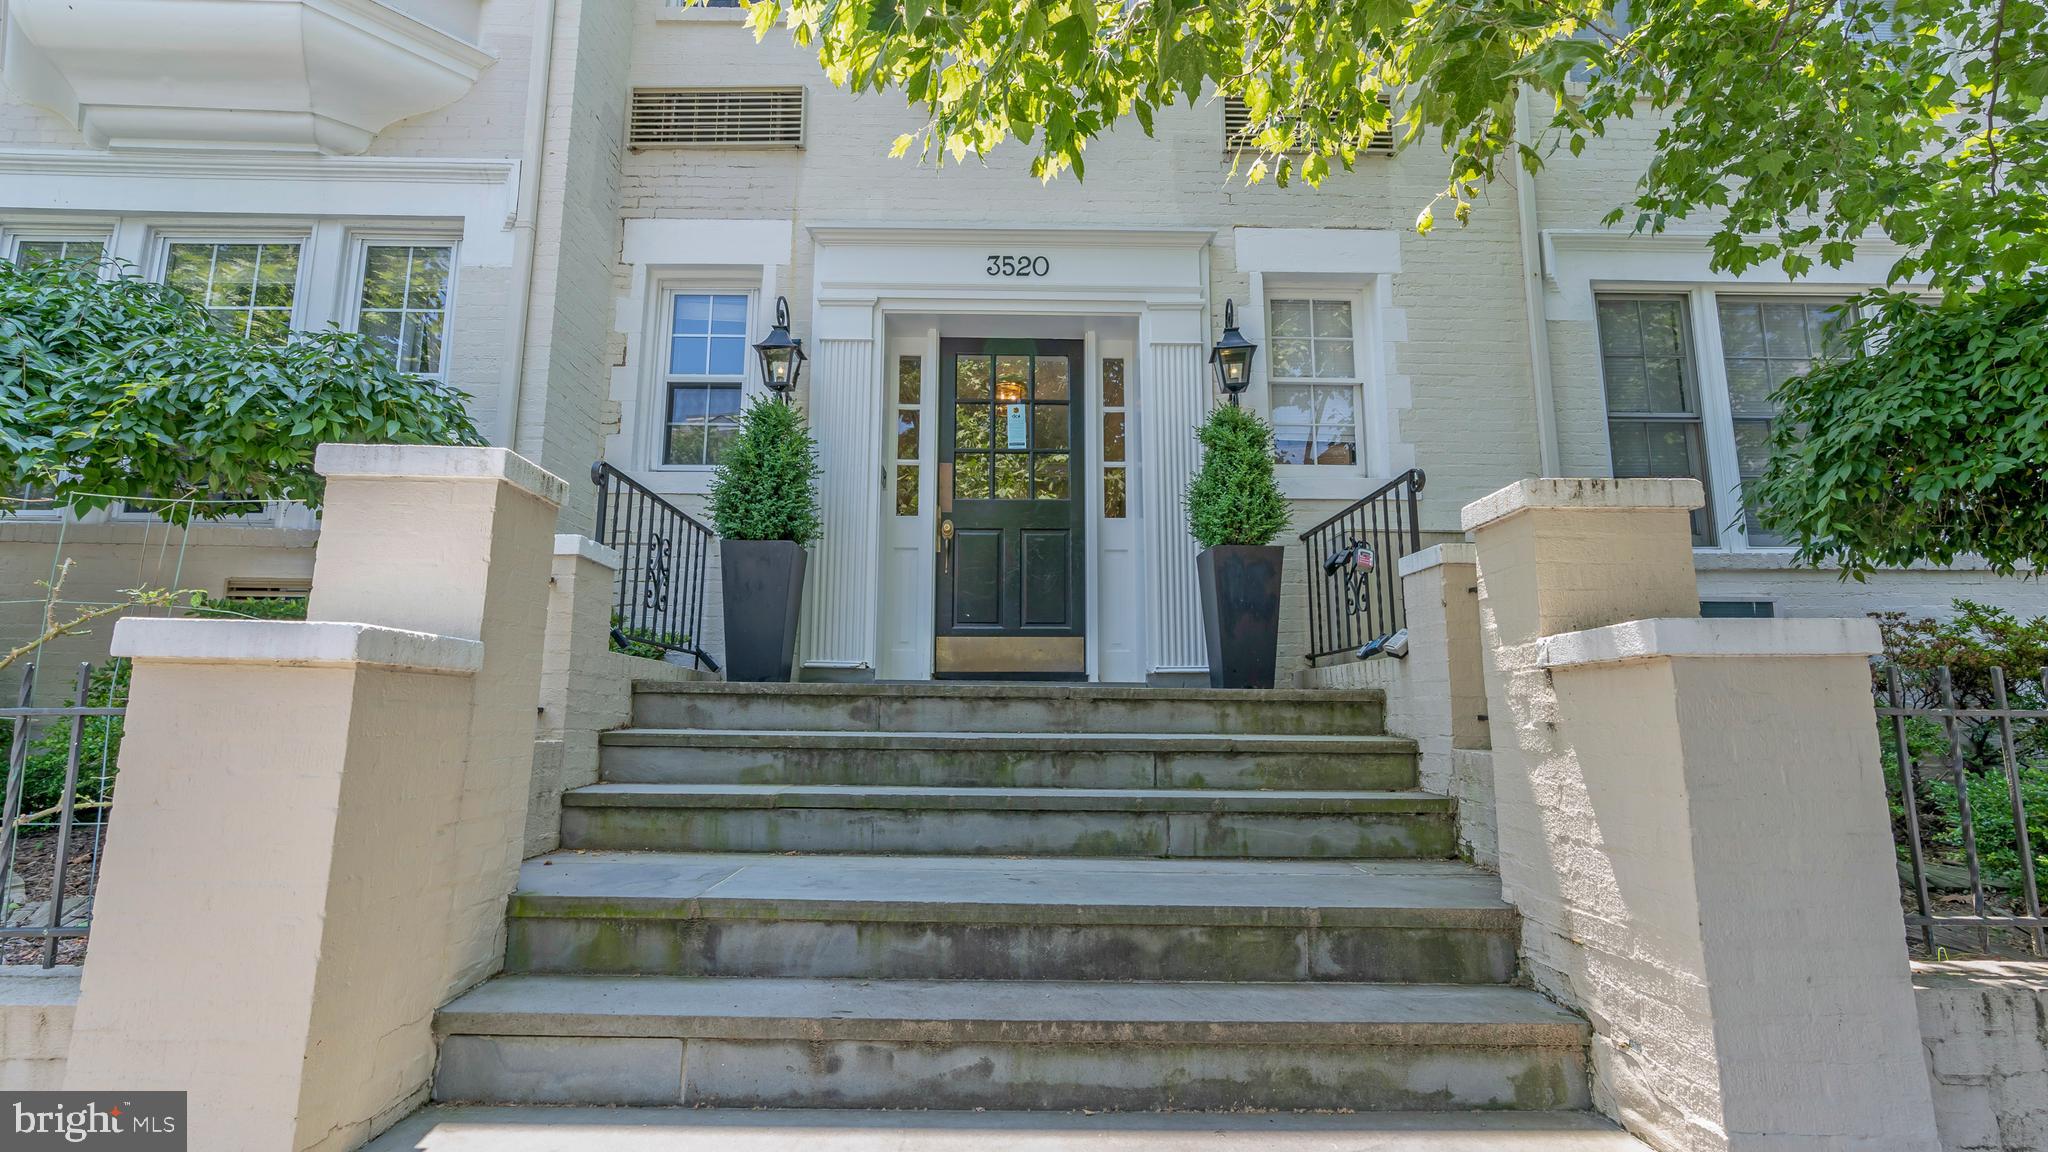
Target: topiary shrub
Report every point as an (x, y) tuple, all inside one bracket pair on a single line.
[(1233, 499), (767, 482)]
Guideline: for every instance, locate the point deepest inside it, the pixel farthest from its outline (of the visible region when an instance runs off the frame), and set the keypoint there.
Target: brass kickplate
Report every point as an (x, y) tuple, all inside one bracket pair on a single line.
[(1048, 654)]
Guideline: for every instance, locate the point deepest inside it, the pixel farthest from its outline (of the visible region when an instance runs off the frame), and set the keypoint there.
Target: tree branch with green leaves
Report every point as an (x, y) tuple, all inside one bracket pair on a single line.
[(1796, 133)]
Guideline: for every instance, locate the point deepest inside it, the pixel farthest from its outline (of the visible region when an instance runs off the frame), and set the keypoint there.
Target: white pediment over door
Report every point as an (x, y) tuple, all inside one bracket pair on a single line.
[(319, 76)]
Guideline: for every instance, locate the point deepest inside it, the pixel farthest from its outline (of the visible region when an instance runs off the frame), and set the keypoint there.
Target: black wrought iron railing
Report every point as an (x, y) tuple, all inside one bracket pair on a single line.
[(1966, 768), (663, 554), (53, 819), (1354, 586)]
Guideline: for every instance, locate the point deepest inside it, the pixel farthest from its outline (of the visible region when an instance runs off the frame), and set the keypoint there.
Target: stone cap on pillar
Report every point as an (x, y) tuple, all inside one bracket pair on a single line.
[(292, 643), (584, 548), (1583, 493), (1637, 640), (438, 462), (1436, 556)]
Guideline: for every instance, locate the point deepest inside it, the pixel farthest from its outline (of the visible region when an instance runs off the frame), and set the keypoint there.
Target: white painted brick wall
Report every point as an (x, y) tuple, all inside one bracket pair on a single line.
[(568, 375)]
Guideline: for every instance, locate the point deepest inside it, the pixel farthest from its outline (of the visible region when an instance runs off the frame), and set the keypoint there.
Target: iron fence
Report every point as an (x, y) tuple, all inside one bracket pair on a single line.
[(1354, 586), (663, 553), (1964, 763), (60, 768)]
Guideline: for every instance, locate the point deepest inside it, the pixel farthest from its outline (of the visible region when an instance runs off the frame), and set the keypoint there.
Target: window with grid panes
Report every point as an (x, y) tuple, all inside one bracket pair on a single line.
[(707, 363), (1313, 373), (1765, 342), (250, 288), (404, 303), (1011, 437), (909, 397), (1653, 396), (1115, 450)]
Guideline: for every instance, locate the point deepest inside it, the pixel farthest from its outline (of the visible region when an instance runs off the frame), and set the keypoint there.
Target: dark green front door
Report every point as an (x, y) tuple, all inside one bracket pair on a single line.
[(1012, 565)]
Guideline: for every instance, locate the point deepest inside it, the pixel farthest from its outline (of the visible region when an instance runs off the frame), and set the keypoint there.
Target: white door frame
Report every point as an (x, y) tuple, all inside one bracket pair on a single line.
[(865, 278)]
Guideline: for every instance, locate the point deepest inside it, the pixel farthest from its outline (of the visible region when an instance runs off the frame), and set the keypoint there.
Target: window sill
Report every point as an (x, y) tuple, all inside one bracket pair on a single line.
[(1318, 482), (677, 480)]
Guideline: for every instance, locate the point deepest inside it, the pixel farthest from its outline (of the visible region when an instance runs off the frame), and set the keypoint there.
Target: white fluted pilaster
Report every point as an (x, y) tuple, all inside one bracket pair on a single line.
[(840, 601), (1173, 398)]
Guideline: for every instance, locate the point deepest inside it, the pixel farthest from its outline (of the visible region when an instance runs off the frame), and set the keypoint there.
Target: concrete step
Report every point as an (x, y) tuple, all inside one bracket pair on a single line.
[(1032, 1045), (997, 760), (965, 707), (486, 1129), (904, 917), (1009, 821)]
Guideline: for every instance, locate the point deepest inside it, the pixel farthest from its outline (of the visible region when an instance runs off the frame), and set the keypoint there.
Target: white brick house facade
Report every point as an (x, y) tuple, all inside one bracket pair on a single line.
[(574, 253)]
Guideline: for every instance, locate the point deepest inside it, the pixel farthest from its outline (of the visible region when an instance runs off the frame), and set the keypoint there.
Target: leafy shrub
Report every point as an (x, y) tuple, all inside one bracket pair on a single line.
[(640, 648), (114, 388), (1234, 499), (767, 482), (1976, 639), (1970, 643), (1931, 445), (1998, 845)]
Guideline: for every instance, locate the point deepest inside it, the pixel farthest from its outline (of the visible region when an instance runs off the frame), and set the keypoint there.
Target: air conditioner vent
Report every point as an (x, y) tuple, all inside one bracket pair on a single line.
[(1237, 118), (716, 118)]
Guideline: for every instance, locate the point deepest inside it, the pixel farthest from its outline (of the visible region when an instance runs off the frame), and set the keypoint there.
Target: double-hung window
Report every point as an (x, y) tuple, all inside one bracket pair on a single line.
[(1656, 371), (250, 288), (1764, 343), (403, 304), (706, 365), (1313, 371), (1653, 393)]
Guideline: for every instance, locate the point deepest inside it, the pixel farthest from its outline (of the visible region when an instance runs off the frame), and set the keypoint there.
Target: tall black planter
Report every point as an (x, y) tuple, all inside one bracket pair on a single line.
[(1241, 613), (764, 591)]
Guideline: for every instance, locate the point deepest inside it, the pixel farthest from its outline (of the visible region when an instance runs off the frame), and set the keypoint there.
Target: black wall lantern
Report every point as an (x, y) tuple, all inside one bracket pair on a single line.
[(782, 358), (1232, 355)]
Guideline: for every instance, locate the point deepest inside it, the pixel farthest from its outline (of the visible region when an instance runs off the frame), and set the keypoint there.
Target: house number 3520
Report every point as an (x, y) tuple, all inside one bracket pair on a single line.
[(1018, 266)]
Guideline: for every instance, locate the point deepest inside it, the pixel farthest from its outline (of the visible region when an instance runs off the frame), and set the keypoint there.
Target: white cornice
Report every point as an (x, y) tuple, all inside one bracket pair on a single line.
[(317, 76), (263, 170), (253, 166), (926, 235)]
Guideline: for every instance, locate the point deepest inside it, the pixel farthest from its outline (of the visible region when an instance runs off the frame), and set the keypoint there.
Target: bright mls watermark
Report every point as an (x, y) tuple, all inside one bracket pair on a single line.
[(115, 1121)]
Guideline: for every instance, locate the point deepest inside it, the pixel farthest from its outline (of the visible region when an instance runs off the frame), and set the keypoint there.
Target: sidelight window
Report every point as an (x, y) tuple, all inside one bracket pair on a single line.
[(904, 444)]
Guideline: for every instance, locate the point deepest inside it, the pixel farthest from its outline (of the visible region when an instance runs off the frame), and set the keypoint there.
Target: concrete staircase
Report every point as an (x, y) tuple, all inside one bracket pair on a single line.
[(1012, 901)]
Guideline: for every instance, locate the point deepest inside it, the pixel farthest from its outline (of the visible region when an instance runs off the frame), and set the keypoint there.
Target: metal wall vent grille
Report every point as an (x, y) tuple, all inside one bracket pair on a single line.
[(268, 588), (716, 118), (1237, 118)]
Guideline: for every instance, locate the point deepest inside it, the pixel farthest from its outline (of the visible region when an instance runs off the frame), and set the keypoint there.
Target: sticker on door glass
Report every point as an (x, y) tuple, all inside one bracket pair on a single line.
[(1016, 432)]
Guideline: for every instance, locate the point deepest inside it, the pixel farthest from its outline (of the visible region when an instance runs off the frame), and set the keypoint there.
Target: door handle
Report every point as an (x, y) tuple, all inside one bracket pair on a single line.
[(946, 545)]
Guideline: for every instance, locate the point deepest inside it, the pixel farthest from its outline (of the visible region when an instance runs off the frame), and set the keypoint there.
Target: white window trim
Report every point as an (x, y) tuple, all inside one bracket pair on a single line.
[(688, 478), (1717, 418), (359, 245), (1370, 415)]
